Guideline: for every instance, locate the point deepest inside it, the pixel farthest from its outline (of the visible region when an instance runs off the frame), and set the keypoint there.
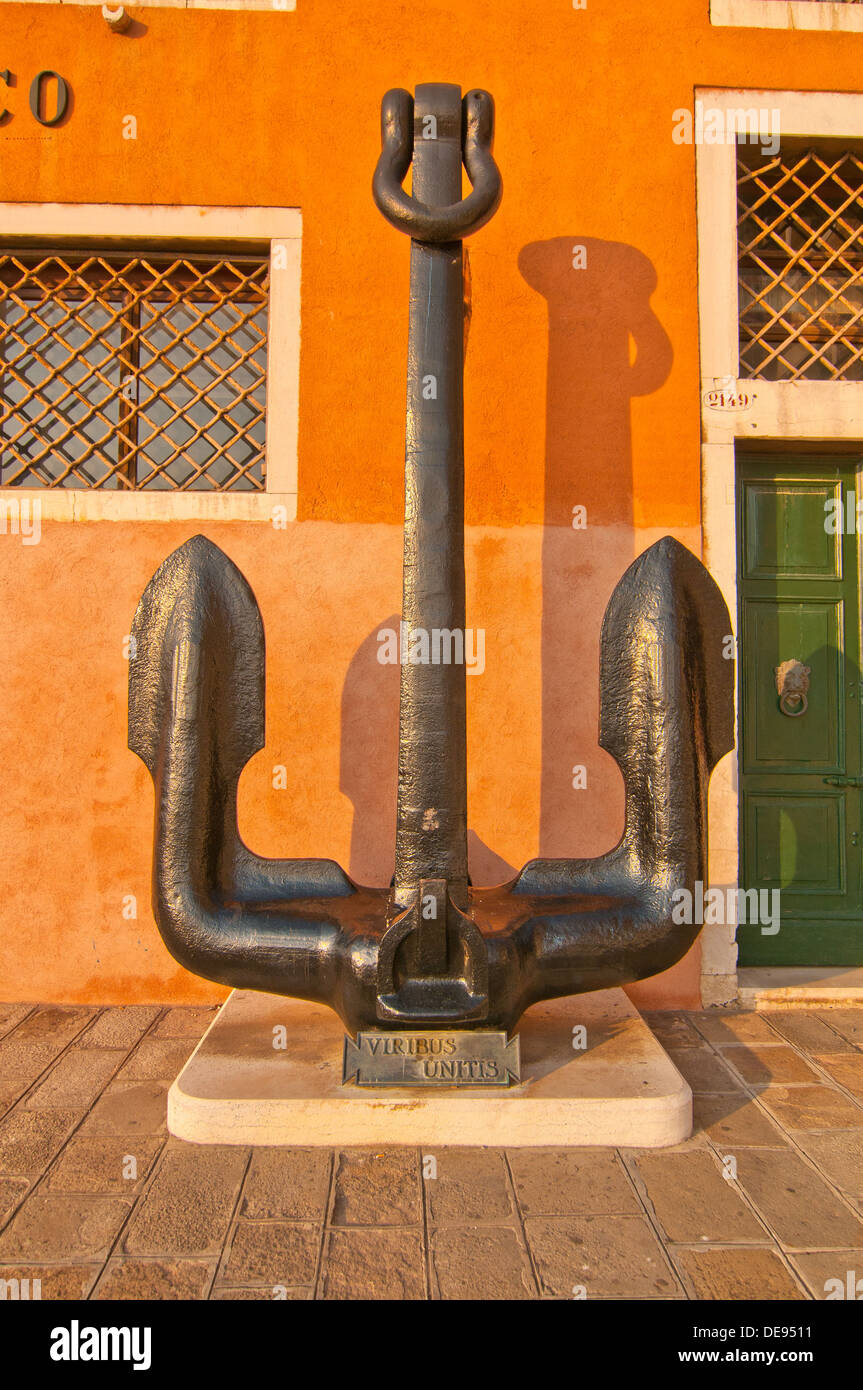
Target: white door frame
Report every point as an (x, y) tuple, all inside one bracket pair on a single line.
[(734, 408)]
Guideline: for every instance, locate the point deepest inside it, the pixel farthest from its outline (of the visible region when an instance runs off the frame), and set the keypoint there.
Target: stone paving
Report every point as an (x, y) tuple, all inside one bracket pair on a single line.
[(765, 1200)]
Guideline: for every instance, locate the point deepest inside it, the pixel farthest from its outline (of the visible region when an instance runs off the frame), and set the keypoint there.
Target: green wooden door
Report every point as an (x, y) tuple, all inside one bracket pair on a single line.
[(800, 805)]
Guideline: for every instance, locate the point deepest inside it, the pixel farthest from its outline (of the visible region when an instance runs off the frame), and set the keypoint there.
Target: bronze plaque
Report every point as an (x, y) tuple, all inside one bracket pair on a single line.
[(457, 1058)]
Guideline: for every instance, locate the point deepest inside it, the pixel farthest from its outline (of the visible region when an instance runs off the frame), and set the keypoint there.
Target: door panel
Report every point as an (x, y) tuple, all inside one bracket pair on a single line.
[(811, 630), (784, 530), (796, 844), (799, 600)]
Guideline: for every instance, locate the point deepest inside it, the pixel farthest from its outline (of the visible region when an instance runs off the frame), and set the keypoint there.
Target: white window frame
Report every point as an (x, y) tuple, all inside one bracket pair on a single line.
[(128, 223), (817, 411), (824, 15), (278, 5)]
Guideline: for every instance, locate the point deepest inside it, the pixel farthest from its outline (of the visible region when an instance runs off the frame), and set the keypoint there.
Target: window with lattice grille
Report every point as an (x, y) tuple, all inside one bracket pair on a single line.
[(133, 370), (800, 265)]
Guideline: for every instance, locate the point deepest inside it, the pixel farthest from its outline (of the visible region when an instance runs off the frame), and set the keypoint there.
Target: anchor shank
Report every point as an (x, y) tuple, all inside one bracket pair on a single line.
[(431, 835)]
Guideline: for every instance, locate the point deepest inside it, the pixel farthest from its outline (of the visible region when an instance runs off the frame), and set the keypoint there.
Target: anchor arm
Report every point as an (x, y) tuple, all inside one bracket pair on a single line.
[(285, 940), (666, 715), (196, 716)]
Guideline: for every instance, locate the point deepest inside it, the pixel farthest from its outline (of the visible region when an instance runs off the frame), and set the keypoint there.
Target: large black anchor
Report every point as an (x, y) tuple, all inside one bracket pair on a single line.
[(433, 950)]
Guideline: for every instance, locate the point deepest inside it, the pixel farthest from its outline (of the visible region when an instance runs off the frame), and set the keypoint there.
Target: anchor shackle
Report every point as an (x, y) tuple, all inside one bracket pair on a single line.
[(420, 220)]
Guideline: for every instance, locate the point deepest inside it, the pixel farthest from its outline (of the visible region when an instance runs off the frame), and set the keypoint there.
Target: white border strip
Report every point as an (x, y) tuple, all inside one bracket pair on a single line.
[(822, 15), (100, 504), (280, 6), (132, 220)]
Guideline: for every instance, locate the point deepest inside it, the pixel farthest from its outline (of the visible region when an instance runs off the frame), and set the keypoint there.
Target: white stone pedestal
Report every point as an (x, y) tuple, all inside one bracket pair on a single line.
[(237, 1088)]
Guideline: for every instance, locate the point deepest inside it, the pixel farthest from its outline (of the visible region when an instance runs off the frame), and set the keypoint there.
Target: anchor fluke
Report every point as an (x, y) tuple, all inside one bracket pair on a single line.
[(199, 607)]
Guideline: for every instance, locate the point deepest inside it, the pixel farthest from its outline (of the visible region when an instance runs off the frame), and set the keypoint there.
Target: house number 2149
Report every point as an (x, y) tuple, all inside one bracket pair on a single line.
[(39, 96)]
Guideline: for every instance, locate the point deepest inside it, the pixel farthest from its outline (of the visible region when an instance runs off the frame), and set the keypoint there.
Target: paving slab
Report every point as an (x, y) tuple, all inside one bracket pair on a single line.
[(810, 1031), (555, 1182), (704, 1071), (374, 1264), (154, 1279), (839, 1156), (63, 1282), (775, 1065), (76, 1079), (29, 1139), (11, 1015), (795, 1201), (22, 1063), (480, 1262), (111, 1165), (275, 1253), (673, 1028), (129, 1107), (600, 1257), (185, 1022), (188, 1206), (50, 1226), (721, 1028), (846, 1072), (741, 1273), (11, 1192), (230, 1294), (120, 1026), (729, 1120), (693, 1201), (832, 1275), (848, 1023), (811, 1107), (157, 1059), (54, 1023), (238, 1088), (467, 1185), (287, 1185), (377, 1189)]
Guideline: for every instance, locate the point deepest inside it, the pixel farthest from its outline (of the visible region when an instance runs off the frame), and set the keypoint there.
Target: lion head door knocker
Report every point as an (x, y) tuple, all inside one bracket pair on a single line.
[(433, 949), (792, 683)]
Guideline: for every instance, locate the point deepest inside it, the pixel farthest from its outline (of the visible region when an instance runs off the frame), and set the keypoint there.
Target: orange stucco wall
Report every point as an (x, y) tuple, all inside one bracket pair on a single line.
[(582, 387)]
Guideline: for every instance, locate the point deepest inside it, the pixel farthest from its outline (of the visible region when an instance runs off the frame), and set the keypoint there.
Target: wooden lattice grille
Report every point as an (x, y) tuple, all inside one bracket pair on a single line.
[(132, 371), (800, 266)]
